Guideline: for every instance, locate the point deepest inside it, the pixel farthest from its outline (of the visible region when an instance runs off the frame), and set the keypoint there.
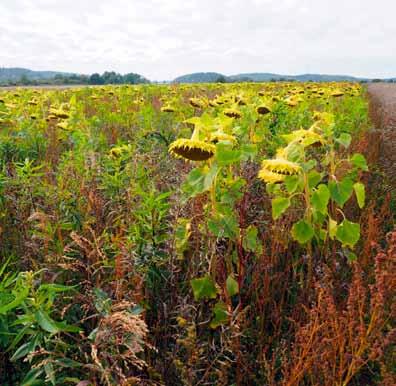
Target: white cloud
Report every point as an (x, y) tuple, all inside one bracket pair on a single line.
[(165, 38)]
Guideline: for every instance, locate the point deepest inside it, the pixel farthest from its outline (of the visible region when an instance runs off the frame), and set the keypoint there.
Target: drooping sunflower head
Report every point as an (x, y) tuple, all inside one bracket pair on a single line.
[(263, 109), (291, 102), (323, 117), (337, 93), (197, 103), (192, 149), (277, 169), (63, 125), (221, 136), (232, 113), (168, 109), (305, 137), (59, 113)]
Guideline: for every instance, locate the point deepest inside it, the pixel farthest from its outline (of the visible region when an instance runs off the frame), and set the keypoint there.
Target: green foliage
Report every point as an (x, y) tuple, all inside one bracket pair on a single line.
[(203, 288), (128, 265)]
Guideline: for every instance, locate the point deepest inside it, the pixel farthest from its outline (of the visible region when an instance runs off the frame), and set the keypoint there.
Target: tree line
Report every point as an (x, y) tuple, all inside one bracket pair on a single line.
[(108, 77)]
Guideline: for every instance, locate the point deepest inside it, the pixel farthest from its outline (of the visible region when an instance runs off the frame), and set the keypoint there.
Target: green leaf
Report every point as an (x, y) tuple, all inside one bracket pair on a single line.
[(292, 183), (341, 191), (31, 377), (348, 233), (220, 315), (307, 166), (20, 296), (56, 287), (250, 239), (232, 286), (203, 287), (359, 161), (225, 155), (320, 199), (314, 178), (224, 225), (344, 139), (194, 183), (24, 349), (50, 373), (332, 228), (351, 256), (63, 326), (279, 205), (45, 322), (248, 151), (210, 177), (302, 232), (360, 193)]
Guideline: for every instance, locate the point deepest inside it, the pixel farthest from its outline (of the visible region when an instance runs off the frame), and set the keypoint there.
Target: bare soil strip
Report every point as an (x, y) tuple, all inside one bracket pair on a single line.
[(383, 115)]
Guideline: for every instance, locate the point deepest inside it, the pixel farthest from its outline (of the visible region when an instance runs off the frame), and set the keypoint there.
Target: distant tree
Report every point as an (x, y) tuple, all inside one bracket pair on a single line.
[(221, 79), (132, 78), (376, 80), (96, 79), (24, 80), (111, 77)]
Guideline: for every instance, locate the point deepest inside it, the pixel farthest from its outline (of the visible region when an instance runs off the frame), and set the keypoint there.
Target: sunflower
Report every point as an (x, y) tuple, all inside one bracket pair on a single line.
[(168, 109), (63, 125), (337, 93), (263, 109), (291, 102), (232, 113), (192, 149), (305, 137), (277, 169), (197, 103), (220, 136), (59, 113)]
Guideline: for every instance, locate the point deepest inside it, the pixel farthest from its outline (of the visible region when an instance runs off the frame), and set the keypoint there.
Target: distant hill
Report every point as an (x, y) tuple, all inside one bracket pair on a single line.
[(263, 77), (201, 77), (15, 74)]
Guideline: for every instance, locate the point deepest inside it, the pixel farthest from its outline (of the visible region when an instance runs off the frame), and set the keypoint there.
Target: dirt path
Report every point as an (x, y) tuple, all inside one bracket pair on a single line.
[(383, 114)]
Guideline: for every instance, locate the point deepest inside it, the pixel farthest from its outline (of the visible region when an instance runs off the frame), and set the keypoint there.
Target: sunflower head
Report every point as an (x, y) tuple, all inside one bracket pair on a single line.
[(168, 109), (220, 136), (63, 125), (277, 169), (291, 102), (232, 113), (197, 103), (305, 137), (337, 93), (59, 113), (270, 177), (193, 150), (263, 109)]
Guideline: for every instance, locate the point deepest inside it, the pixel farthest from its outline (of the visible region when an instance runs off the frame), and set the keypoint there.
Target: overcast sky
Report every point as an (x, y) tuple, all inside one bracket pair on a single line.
[(162, 39)]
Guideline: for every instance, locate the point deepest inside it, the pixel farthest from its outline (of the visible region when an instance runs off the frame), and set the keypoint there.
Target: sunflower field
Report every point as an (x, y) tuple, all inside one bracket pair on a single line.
[(211, 234)]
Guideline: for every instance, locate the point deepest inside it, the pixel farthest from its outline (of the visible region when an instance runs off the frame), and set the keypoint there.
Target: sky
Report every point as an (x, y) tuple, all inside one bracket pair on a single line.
[(162, 39)]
